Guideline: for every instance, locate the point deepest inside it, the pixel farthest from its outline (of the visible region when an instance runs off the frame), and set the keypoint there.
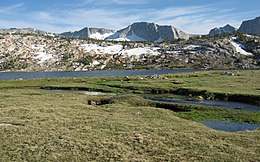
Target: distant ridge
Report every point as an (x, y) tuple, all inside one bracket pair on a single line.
[(24, 31), (150, 32), (222, 30), (95, 33)]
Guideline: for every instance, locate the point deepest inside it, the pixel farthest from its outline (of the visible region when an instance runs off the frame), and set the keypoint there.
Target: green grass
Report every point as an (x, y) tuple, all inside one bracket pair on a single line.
[(199, 113), (244, 82), (63, 127)]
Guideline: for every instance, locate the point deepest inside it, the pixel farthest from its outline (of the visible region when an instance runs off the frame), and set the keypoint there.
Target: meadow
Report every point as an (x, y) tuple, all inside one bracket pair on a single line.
[(36, 125)]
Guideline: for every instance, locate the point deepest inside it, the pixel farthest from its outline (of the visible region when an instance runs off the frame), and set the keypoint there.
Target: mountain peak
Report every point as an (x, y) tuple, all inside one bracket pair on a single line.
[(150, 32), (251, 26), (95, 33), (222, 30), (228, 26)]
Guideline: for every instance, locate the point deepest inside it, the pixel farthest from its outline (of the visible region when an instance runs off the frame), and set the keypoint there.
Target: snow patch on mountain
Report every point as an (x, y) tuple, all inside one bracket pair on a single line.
[(191, 46), (118, 49), (140, 51), (112, 49), (41, 54), (239, 47), (99, 36), (95, 63)]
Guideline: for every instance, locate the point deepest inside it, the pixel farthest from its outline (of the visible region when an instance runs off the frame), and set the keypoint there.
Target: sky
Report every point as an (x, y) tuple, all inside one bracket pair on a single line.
[(192, 16)]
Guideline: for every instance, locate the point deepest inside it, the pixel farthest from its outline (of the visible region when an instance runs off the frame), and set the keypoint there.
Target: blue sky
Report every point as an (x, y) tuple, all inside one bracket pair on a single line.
[(193, 16)]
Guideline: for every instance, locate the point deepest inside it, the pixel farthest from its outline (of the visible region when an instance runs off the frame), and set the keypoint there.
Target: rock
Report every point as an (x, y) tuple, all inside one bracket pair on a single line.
[(126, 78), (155, 76), (25, 31), (150, 32), (228, 73), (196, 99), (250, 26), (97, 102), (177, 82), (91, 102), (95, 33), (222, 30)]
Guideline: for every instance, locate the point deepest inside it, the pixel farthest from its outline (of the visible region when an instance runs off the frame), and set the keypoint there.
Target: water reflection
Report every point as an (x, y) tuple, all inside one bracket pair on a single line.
[(213, 103), (82, 92), (230, 126)]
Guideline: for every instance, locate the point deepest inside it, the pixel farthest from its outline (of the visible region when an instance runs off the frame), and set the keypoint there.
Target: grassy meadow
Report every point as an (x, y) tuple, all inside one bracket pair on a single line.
[(41, 126)]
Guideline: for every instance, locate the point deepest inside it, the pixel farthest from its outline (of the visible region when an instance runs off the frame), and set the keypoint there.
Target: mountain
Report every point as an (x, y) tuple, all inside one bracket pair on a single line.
[(150, 32), (24, 31), (40, 52), (222, 30), (95, 33), (250, 26)]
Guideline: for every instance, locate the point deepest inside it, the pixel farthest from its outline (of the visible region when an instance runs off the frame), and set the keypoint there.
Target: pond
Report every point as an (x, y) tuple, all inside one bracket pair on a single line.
[(97, 73), (89, 93), (230, 126)]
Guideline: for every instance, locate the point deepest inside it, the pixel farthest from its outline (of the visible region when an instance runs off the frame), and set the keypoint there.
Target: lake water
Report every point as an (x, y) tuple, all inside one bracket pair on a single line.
[(74, 74), (230, 126)]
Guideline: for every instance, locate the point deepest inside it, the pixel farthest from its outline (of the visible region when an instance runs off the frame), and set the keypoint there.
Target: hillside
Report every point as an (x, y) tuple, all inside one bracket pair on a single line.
[(35, 52)]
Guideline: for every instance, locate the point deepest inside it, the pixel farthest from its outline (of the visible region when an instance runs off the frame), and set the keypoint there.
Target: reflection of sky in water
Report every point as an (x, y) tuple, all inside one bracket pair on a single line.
[(82, 92), (230, 126), (214, 103)]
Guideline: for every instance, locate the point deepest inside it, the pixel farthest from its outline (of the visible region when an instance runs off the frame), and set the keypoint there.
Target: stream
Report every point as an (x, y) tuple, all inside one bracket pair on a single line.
[(228, 126), (214, 124), (213, 103)]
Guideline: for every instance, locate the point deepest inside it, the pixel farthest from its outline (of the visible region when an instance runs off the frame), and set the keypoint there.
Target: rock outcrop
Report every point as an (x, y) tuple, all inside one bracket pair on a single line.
[(250, 26), (25, 31), (94, 33), (222, 30), (150, 32), (31, 52)]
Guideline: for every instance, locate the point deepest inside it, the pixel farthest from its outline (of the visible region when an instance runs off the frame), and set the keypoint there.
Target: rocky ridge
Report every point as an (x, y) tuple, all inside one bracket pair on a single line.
[(25, 31), (94, 33), (250, 26), (223, 30), (30, 52), (150, 32)]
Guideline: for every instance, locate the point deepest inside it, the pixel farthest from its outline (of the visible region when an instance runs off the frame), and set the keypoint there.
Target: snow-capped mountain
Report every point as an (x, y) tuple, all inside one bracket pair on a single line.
[(151, 32), (222, 30), (250, 26), (94, 33)]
